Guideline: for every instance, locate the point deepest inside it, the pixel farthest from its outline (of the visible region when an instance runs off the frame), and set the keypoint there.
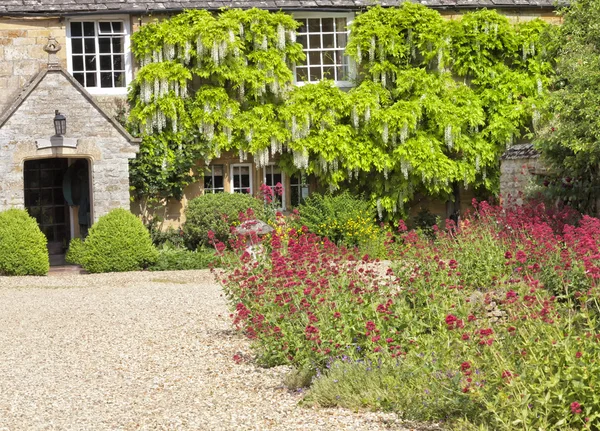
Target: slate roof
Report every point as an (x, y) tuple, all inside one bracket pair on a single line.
[(64, 7), (521, 151)]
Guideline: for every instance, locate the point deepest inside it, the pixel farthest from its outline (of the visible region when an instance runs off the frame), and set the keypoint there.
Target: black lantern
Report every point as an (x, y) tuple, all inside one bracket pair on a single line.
[(60, 123)]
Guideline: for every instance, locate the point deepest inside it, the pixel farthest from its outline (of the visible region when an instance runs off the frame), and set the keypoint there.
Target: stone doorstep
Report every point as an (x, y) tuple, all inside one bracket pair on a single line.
[(66, 270)]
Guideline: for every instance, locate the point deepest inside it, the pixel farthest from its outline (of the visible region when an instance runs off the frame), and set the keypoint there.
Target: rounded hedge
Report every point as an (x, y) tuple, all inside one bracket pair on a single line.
[(118, 242), (23, 246), (75, 251), (216, 212)]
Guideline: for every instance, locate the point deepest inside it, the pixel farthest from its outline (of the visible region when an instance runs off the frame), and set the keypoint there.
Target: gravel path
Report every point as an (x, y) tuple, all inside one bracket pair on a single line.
[(149, 351)]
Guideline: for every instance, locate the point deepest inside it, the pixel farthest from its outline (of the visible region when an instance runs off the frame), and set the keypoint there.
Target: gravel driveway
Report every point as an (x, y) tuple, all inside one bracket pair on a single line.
[(150, 351)]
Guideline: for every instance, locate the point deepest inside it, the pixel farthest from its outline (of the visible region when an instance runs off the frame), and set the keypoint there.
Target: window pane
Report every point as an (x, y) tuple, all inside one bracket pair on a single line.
[(105, 62), (301, 74), (314, 25), (117, 43), (218, 170), (76, 29), (90, 62), (119, 79), (314, 58), (77, 46), (218, 181), (340, 24), (90, 79), (302, 28), (106, 80), (104, 45), (118, 62), (329, 72), (77, 63), (89, 29), (315, 73), (343, 73), (328, 41), (327, 25), (79, 78), (328, 57), (105, 27), (117, 27), (342, 40), (303, 41), (90, 46), (314, 41)]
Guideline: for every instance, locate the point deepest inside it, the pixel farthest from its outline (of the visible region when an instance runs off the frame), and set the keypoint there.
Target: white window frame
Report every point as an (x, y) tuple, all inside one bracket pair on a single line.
[(351, 66), (126, 51), (210, 168), (283, 196), (231, 177)]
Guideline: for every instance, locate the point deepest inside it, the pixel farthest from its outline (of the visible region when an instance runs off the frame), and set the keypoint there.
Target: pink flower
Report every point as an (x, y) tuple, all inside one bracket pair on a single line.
[(578, 355), (575, 408)]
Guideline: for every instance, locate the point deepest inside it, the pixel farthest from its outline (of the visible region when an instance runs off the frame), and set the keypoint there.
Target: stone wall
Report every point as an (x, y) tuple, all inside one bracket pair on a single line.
[(518, 169), (104, 145), (22, 52)]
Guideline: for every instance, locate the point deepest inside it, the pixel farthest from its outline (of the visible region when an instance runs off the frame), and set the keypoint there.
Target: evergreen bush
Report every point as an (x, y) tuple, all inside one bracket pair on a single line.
[(118, 242), (23, 248), (217, 213), (75, 251)]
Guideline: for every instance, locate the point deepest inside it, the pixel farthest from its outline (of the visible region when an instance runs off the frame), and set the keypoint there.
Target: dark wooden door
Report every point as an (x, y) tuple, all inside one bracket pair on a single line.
[(45, 201)]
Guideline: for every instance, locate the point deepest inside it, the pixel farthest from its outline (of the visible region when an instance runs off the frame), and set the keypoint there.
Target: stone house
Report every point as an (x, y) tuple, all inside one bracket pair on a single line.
[(71, 59)]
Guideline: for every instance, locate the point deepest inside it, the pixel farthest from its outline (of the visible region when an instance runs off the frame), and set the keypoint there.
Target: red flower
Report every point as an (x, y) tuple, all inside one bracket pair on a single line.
[(578, 355), (370, 325), (465, 366), (337, 315), (575, 408), (508, 255)]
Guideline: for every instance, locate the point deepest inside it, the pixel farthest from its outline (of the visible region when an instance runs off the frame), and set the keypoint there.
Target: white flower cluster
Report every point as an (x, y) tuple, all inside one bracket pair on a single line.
[(262, 157), (300, 159), (449, 137), (405, 168)]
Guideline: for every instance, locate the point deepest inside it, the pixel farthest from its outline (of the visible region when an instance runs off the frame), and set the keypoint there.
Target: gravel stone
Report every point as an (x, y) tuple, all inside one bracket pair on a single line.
[(141, 351)]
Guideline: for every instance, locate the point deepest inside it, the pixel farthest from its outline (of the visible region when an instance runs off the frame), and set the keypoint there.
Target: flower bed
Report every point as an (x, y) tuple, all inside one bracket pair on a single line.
[(495, 323)]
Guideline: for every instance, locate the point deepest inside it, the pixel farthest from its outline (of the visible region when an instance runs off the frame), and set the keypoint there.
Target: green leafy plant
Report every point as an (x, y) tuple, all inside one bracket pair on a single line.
[(216, 213), (568, 128), (23, 248), (175, 259), (434, 106), (344, 218), (118, 242)]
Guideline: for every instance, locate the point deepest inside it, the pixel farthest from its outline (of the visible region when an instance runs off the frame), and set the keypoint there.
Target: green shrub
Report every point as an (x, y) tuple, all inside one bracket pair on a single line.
[(118, 242), (23, 248), (75, 251), (172, 259), (216, 213), (343, 218)]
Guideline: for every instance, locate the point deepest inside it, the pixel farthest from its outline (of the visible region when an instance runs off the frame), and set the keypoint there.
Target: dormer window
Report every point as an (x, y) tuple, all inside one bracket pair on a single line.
[(98, 54)]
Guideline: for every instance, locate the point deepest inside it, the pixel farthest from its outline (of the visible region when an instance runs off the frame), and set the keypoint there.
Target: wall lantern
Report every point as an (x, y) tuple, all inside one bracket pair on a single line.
[(60, 123)]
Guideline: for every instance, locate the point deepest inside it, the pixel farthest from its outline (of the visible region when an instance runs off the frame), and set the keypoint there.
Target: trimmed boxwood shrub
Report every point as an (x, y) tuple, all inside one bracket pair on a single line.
[(23, 249), (75, 251), (118, 242), (216, 212)]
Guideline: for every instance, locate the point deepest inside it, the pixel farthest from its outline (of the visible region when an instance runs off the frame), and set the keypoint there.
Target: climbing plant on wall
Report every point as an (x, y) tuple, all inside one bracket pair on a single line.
[(435, 102)]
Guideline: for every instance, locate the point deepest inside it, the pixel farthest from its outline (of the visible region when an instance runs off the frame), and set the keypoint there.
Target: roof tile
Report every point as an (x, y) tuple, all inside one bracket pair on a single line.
[(65, 7)]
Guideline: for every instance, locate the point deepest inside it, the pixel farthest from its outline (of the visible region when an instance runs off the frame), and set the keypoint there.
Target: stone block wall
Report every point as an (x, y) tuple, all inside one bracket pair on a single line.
[(517, 175), (107, 149), (22, 52)]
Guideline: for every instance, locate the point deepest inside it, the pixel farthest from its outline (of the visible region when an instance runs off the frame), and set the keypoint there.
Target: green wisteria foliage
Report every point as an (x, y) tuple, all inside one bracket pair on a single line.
[(435, 103)]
